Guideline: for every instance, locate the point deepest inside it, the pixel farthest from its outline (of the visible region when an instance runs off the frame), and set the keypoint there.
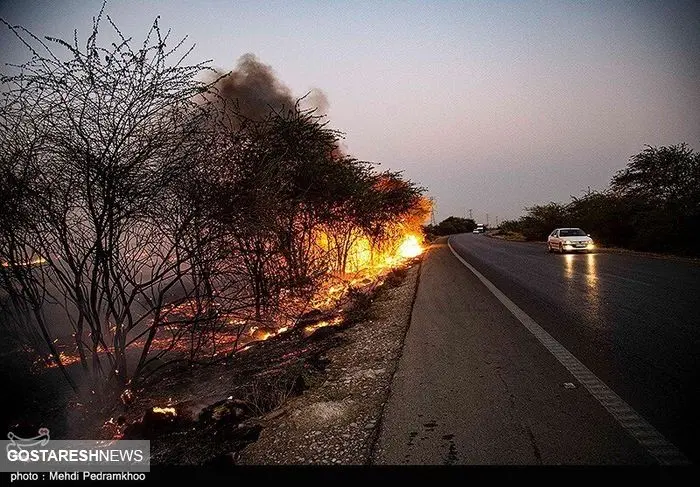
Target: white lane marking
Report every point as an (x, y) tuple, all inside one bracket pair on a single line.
[(640, 429)]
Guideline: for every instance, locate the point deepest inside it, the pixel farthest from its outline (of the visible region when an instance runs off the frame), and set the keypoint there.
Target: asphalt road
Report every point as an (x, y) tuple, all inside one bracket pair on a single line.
[(475, 386)]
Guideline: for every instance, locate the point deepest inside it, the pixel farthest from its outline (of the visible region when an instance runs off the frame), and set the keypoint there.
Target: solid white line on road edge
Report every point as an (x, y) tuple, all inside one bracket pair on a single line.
[(654, 442)]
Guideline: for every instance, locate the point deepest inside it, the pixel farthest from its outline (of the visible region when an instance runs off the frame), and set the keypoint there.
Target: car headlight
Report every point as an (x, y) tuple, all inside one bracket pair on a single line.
[(590, 244), (566, 242)]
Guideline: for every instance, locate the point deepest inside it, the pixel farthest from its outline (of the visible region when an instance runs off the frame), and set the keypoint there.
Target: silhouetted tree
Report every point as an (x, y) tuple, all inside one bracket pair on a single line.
[(665, 183), (452, 225), (151, 211), (97, 142), (666, 174), (652, 204)]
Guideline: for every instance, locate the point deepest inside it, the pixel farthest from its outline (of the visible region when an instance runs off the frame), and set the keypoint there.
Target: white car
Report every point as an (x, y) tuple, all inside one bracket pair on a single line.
[(569, 240)]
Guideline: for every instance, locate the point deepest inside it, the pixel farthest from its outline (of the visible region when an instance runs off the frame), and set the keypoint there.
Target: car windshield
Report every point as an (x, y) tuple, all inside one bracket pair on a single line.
[(572, 232)]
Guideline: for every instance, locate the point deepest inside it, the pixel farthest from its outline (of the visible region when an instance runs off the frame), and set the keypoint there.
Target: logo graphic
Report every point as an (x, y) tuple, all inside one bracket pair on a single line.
[(18, 443)]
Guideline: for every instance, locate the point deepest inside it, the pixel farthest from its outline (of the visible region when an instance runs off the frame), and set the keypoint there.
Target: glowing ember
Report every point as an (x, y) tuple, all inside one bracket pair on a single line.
[(410, 247), (37, 260), (65, 358), (127, 397), (308, 330), (168, 411), (260, 334), (357, 262)]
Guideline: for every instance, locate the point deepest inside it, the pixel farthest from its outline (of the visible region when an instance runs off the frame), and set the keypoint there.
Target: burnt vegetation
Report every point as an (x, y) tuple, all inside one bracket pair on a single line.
[(155, 211)]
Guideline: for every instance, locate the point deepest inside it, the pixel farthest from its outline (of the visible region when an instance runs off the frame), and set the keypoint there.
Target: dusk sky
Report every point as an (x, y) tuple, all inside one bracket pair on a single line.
[(492, 106)]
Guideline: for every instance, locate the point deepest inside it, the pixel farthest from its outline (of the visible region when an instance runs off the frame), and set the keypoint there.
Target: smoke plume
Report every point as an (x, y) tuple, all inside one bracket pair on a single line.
[(253, 90)]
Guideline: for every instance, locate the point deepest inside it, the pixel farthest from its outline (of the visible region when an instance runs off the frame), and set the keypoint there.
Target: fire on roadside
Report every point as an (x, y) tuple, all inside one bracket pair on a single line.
[(365, 266), (308, 330), (168, 411)]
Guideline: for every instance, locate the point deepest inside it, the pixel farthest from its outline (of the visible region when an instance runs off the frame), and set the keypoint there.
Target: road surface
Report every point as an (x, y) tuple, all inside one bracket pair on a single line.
[(476, 386)]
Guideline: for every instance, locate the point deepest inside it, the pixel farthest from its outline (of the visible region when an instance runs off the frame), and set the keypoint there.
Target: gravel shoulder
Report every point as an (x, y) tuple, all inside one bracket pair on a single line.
[(336, 421)]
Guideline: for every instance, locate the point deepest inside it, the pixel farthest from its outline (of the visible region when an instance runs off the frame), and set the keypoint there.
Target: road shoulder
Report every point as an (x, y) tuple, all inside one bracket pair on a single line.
[(474, 387)]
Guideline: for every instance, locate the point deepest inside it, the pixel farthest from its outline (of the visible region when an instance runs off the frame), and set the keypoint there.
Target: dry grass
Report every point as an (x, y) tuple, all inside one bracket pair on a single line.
[(265, 395)]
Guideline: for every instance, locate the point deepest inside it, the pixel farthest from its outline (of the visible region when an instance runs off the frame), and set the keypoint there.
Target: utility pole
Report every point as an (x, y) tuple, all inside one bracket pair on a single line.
[(470, 214), (487, 219)]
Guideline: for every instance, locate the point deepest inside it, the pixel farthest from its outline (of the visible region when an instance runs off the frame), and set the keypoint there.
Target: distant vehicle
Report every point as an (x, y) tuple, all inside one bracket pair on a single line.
[(480, 228), (569, 240)]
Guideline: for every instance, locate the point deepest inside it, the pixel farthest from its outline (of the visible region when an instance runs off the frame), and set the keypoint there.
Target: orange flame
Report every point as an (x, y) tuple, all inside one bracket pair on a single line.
[(410, 247), (308, 330), (360, 263)]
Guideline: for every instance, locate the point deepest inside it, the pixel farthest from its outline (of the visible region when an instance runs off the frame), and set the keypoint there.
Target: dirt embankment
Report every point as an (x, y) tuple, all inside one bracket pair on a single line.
[(336, 421)]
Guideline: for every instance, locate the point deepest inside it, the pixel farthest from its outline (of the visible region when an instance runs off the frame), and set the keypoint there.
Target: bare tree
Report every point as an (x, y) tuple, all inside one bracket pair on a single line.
[(108, 136)]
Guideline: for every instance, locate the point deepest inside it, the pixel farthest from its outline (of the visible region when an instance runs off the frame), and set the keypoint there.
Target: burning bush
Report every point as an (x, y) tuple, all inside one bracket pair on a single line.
[(180, 216)]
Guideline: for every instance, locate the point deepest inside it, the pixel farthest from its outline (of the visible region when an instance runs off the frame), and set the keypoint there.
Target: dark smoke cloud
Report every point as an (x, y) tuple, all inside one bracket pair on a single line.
[(253, 90)]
